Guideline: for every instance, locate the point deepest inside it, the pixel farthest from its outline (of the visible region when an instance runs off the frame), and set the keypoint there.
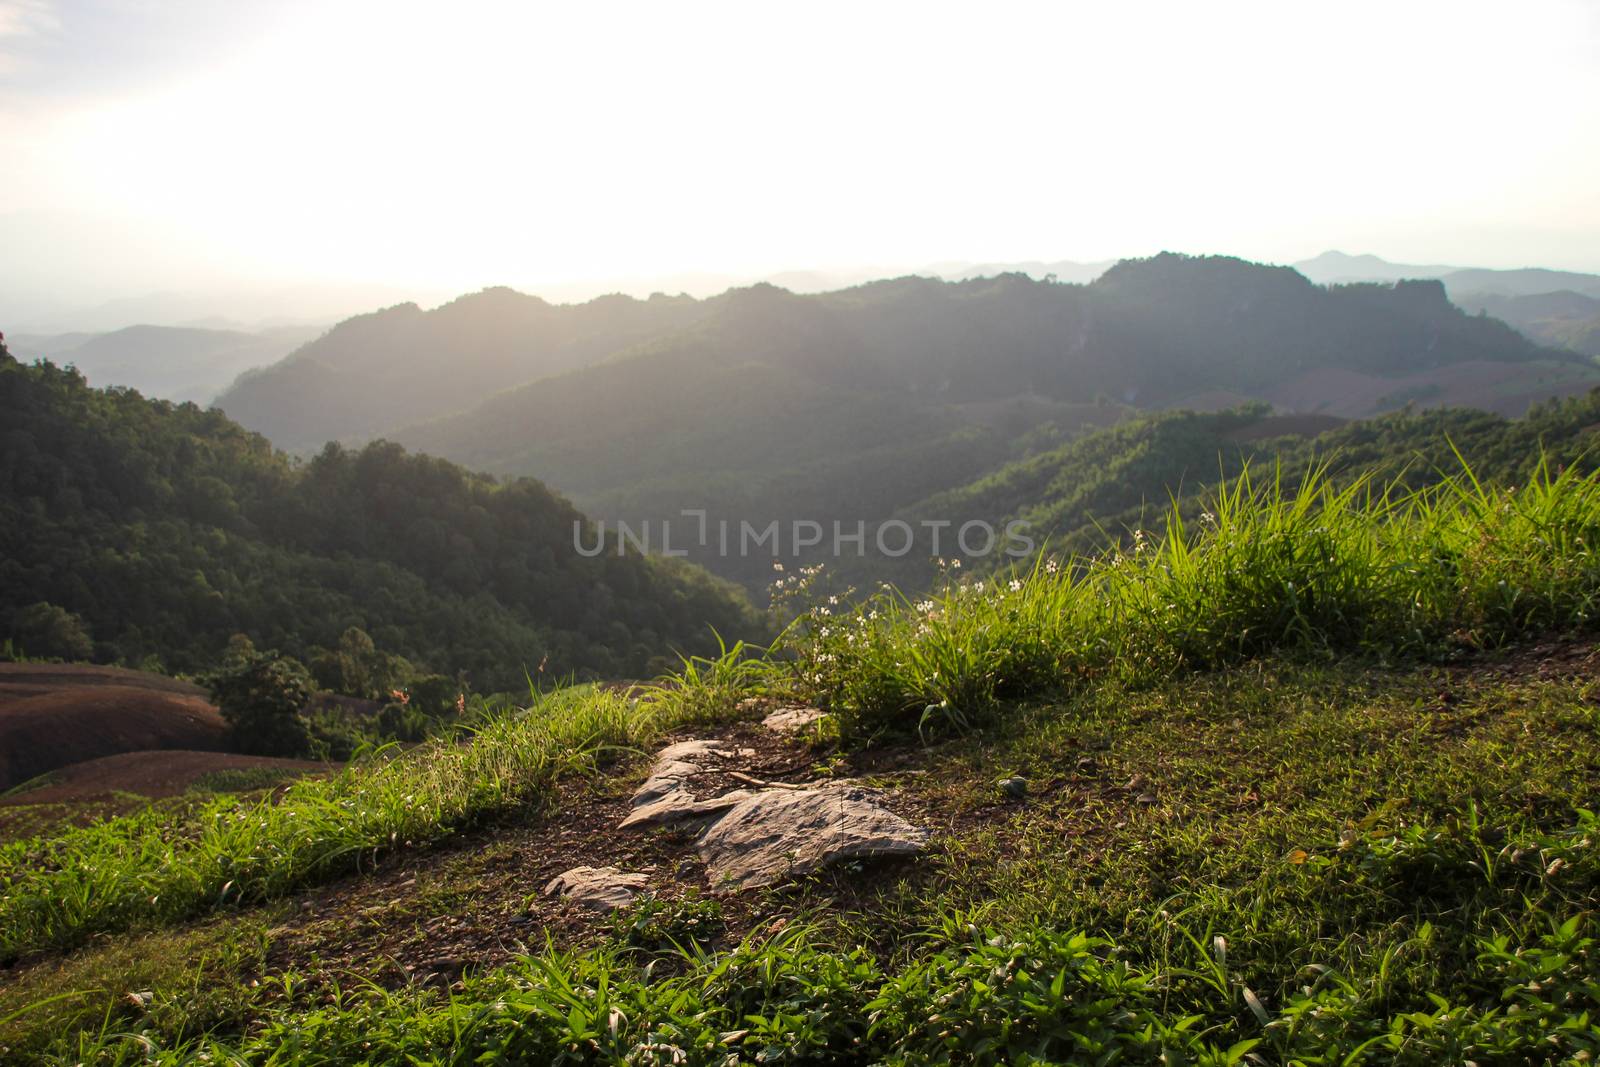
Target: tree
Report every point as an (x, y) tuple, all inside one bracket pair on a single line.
[(47, 631), (262, 696)]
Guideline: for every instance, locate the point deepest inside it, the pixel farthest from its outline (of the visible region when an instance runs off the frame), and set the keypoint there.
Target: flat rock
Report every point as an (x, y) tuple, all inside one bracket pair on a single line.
[(792, 720), (679, 805), (674, 766), (600, 888), (783, 833)]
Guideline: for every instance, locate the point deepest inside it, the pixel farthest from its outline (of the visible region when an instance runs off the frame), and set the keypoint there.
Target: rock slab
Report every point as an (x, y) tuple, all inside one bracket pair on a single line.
[(792, 720), (665, 796), (782, 833), (600, 888)]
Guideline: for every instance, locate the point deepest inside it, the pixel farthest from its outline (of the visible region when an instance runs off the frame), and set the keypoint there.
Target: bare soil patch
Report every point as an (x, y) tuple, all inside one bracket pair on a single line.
[(70, 724), (159, 773)]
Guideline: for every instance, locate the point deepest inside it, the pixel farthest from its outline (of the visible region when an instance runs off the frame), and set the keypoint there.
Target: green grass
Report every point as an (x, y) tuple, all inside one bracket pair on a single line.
[(1344, 842), (241, 779), (1310, 569), (147, 868)]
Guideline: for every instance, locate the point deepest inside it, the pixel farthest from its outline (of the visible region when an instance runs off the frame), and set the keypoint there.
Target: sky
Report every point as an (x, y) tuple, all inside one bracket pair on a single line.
[(393, 149)]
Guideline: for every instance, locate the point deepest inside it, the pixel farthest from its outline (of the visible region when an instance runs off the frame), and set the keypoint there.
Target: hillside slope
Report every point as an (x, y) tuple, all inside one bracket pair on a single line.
[(1103, 486)]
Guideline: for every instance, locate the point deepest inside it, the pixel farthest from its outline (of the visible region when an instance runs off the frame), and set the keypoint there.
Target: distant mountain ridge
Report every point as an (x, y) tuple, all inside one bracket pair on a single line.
[(389, 368), (177, 363), (1563, 319), (1337, 268), (762, 405)]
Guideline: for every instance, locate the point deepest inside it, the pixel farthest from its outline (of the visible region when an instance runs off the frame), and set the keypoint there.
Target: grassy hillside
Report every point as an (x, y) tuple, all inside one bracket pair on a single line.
[(1116, 481), (155, 530), (1276, 801)]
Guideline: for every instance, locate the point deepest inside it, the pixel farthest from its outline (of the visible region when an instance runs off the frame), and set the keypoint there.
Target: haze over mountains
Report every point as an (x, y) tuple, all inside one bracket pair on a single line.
[(770, 403), (763, 404), (172, 362), (1554, 307)]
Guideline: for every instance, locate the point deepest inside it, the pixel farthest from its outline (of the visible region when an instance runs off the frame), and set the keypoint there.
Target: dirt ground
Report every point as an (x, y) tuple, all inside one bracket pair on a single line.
[(153, 774)]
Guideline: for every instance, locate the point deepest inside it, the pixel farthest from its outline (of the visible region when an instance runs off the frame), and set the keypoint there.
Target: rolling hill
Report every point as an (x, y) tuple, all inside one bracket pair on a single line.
[(1102, 487)]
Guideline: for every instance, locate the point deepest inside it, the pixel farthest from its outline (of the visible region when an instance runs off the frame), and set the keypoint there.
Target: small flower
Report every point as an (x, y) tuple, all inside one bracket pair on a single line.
[(1016, 585)]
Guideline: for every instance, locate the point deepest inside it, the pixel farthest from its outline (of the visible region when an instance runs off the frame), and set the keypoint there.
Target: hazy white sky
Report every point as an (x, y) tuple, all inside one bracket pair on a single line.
[(170, 145)]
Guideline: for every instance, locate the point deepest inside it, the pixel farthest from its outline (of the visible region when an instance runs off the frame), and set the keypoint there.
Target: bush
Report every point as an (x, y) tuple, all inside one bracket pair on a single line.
[(262, 696), (46, 631)]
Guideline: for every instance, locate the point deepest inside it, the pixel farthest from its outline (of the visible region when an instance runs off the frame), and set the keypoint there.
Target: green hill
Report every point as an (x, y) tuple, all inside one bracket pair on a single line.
[(164, 529), (1108, 484)]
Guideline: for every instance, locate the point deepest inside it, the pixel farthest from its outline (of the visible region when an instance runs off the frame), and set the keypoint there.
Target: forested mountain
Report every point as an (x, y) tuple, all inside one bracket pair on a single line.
[(158, 530), (376, 372), (1148, 332), (851, 405)]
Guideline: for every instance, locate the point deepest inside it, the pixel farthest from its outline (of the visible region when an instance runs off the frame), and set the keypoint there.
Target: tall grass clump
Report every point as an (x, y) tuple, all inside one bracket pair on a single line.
[(1313, 567), (123, 872)]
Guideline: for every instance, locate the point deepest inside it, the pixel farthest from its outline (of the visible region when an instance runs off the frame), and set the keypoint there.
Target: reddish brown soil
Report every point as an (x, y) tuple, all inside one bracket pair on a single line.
[(160, 773), (20, 680), (67, 723)]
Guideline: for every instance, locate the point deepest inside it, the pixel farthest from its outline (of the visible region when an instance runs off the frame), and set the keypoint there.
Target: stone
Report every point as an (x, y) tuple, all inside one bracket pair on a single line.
[(674, 766), (783, 833), (792, 720), (1015, 787), (679, 805), (600, 888)]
